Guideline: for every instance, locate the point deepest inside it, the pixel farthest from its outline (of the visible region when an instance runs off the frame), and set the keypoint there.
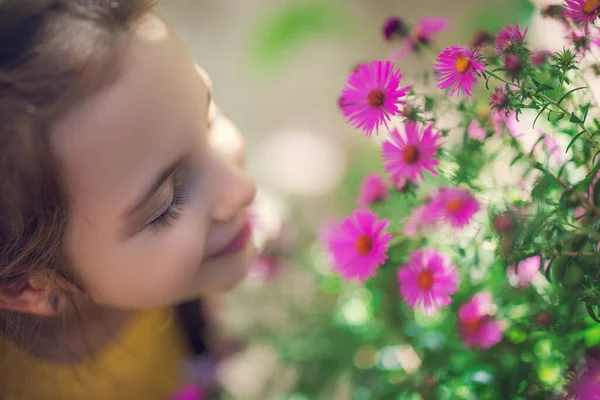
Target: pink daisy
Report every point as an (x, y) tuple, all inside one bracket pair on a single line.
[(477, 326), (372, 95), (454, 205), (456, 69), (427, 280), (583, 12), (359, 245), (508, 37), (409, 157), (421, 35), (373, 189), (476, 131)]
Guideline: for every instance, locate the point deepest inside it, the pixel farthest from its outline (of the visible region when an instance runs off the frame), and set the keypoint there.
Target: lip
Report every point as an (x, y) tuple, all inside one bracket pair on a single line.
[(237, 243)]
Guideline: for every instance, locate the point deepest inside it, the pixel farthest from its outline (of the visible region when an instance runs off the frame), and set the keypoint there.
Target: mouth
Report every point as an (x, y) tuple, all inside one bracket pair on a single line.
[(236, 244)]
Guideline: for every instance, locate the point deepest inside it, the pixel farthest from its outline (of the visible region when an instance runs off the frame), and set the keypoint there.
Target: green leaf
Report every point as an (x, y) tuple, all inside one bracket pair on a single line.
[(555, 116), (574, 139), (540, 113), (575, 119), (569, 92), (585, 110)]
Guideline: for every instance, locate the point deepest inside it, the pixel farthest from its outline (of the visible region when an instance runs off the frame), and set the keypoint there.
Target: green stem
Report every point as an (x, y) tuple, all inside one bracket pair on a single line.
[(548, 100)]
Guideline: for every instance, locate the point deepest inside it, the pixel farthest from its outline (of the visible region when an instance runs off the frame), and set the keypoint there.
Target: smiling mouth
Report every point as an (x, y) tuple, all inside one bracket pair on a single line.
[(238, 243)]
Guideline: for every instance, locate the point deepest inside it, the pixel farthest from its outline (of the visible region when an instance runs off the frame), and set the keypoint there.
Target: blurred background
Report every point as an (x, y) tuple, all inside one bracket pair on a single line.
[(278, 67)]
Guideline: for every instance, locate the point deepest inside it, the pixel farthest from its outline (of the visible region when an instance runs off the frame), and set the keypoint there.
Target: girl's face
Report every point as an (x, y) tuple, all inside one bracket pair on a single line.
[(158, 212)]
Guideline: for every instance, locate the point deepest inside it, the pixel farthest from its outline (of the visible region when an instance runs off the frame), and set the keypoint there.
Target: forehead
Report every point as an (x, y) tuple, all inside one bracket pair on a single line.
[(117, 139)]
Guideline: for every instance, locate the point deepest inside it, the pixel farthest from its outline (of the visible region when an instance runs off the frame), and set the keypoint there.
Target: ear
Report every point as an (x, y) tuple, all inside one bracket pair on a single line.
[(37, 295)]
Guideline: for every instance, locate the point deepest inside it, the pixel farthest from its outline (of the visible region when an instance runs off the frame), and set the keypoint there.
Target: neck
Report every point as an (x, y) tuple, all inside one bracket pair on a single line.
[(75, 335)]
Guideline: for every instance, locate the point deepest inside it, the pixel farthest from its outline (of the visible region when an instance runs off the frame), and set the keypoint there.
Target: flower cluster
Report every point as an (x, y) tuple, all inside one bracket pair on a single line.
[(509, 131)]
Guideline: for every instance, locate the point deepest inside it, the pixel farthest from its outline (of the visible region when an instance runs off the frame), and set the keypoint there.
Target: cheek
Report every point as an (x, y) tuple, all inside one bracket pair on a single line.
[(152, 270)]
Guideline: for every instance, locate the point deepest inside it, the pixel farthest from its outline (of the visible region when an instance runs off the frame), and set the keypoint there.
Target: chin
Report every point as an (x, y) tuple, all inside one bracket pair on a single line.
[(228, 272)]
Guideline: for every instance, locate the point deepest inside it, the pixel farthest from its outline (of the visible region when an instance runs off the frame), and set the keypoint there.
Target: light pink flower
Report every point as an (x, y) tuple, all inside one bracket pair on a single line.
[(476, 131), (372, 95), (523, 274), (421, 35), (508, 37), (419, 220), (427, 280), (373, 189), (409, 156), (554, 149), (359, 245), (454, 205), (477, 326), (456, 69)]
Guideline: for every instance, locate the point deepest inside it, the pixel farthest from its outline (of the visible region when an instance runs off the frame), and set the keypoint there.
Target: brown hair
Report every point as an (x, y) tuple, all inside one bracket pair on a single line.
[(53, 53)]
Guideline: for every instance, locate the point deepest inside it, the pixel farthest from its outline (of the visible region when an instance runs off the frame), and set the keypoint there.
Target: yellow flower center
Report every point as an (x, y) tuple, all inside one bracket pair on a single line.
[(590, 6), (454, 205), (376, 98), (462, 64), (364, 244), (411, 154), (425, 280)]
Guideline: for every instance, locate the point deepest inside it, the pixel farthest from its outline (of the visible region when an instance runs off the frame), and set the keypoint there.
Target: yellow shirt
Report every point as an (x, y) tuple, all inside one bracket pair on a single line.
[(143, 362)]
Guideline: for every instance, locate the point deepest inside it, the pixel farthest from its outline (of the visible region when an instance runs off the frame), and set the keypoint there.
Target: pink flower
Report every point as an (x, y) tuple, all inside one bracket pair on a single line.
[(509, 37), (583, 12), (477, 326), (476, 131), (540, 58), (454, 205), (421, 35), (190, 392), (409, 157), (587, 386), (373, 189), (554, 149), (393, 26), (359, 245), (372, 95), (524, 272), (427, 280), (456, 69), (419, 219)]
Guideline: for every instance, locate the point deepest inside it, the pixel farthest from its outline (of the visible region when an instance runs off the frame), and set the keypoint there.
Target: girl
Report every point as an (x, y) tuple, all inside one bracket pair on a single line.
[(115, 204)]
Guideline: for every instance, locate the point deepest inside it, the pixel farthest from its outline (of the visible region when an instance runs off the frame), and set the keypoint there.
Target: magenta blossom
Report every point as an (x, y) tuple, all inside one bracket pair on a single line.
[(477, 326), (359, 245), (456, 69), (582, 12), (372, 95), (454, 205), (413, 154), (509, 37), (373, 189), (427, 280), (190, 392), (393, 26), (540, 58), (421, 35), (587, 384), (476, 131)]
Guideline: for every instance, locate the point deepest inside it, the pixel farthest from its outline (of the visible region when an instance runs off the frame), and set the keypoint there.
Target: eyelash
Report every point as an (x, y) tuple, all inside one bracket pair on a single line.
[(180, 197)]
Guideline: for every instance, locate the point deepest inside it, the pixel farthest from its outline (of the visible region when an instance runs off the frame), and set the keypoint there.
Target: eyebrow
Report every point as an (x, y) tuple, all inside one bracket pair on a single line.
[(160, 179)]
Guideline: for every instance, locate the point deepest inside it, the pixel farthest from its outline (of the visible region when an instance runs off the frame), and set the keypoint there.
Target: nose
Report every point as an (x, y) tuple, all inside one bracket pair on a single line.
[(234, 190)]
